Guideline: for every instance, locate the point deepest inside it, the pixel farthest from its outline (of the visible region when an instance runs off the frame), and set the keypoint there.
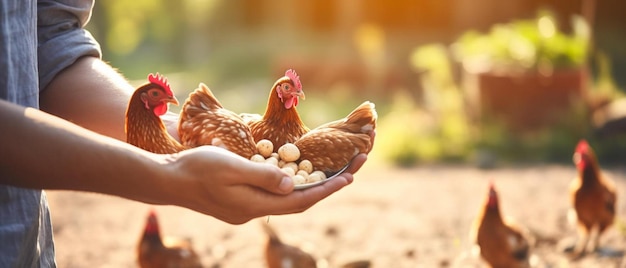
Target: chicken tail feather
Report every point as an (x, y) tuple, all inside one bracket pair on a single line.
[(364, 114), (203, 98)]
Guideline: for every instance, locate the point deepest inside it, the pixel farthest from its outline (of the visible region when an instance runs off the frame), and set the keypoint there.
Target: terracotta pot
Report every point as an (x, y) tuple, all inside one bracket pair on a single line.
[(529, 101)]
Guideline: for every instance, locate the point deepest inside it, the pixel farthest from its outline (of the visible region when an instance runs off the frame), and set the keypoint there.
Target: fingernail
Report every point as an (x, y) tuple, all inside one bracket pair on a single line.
[(286, 184)]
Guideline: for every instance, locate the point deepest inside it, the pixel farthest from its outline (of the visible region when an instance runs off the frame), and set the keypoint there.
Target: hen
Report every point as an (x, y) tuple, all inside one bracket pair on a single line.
[(144, 127), (281, 255), (332, 146), (153, 253), (502, 245), (593, 198), (281, 122), (204, 121)]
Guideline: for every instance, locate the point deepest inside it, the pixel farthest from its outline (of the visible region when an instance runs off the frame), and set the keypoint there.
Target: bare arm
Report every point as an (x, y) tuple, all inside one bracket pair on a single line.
[(44, 151), (91, 94)]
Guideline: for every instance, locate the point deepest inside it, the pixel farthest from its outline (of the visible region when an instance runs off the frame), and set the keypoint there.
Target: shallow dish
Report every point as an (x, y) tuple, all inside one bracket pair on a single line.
[(309, 185)]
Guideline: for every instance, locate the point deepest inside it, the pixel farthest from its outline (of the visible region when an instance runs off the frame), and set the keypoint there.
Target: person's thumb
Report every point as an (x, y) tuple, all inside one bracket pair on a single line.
[(275, 180)]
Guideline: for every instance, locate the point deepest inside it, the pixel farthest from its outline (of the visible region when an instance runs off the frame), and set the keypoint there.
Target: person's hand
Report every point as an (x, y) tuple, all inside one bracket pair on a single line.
[(217, 182)]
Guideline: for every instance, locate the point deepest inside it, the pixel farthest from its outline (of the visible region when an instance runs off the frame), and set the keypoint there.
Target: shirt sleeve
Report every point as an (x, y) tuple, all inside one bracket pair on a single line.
[(61, 37)]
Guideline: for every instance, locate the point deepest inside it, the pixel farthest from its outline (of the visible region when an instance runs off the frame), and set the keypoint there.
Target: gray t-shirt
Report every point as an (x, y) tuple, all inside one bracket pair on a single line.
[(38, 39)]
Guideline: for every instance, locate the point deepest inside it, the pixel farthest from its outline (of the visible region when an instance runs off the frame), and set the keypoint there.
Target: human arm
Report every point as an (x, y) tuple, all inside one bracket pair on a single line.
[(91, 94), (44, 151)]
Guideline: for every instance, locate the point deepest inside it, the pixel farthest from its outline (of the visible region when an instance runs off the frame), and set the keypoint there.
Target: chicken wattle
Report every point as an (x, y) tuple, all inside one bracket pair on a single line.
[(281, 122), (144, 127)]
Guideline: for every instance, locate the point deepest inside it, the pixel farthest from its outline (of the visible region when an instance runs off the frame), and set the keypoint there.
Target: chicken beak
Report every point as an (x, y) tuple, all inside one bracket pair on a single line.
[(300, 94), (172, 100), (576, 158)]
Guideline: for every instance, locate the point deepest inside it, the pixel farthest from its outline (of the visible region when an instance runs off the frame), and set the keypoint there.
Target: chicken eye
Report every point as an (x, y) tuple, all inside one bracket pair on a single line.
[(155, 94), (286, 87)]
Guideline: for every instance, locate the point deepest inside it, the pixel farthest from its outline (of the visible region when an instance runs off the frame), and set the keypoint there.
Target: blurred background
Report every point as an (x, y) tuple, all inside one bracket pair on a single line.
[(482, 82), (467, 93)]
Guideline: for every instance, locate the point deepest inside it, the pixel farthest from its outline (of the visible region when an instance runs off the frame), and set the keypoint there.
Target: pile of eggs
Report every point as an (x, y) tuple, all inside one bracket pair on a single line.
[(286, 159)]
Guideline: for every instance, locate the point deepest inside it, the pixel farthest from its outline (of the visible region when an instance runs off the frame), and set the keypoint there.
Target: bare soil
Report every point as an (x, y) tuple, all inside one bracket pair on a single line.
[(417, 217)]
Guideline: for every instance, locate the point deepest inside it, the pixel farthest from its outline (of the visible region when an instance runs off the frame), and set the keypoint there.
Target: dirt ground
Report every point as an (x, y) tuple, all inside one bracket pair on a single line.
[(418, 217)]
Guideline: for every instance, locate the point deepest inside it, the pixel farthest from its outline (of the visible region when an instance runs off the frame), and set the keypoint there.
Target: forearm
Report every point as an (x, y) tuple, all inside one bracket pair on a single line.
[(91, 94), (43, 151)]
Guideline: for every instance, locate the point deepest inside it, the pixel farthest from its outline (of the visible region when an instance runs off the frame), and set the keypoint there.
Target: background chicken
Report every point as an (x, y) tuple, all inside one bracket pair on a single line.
[(281, 122), (280, 255), (144, 128), (502, 245), (593, 198), (331, 146), (152, 252), (204, 121)]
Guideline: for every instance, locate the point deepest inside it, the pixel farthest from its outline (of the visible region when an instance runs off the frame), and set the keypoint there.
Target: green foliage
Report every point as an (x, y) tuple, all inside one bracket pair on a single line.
[(436, 128), (525, 45)]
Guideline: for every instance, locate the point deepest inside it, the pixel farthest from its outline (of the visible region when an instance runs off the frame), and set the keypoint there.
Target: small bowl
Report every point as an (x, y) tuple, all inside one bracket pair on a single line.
[(312, 184)]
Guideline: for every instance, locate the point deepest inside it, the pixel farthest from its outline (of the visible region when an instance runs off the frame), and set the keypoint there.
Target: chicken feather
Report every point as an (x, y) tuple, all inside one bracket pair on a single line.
[(143, 125), (155, 252), (332, 146), (281, 255), (281, 122), (204, 121), (593, 198), (502, 244)]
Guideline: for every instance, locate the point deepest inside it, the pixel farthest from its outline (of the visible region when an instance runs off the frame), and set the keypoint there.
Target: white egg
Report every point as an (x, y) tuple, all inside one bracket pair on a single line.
[(319, 173), (289, 171), (291, 165), (272, 161), (265, 147), (314, 177), (257, 158), (289, 152), (303, 173), (306, 165), (297, 179)]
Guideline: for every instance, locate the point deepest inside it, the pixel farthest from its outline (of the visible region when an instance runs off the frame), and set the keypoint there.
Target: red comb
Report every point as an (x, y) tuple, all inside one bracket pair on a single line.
[(152, 224), (161, 81), (152, 212), (582, 146), (294, 78)]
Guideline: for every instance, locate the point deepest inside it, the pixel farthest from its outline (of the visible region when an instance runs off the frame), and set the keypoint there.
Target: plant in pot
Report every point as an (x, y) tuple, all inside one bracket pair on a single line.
[(526, 73)]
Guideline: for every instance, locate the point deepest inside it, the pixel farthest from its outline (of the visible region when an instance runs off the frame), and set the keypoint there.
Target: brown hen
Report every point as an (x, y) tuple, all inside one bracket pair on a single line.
[(153, 253), (281, 122), (593, 198), (332, 146), (281, 255), (502, 245), (144, 127), (204, 121)]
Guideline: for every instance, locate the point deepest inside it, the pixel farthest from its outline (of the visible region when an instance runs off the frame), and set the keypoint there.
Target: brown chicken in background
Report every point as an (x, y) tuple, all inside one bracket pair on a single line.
[(144, 127), (593, 198), (152, 252), (281, 255), (204, 121), (332, 146), (281, 122), (502, 245)]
